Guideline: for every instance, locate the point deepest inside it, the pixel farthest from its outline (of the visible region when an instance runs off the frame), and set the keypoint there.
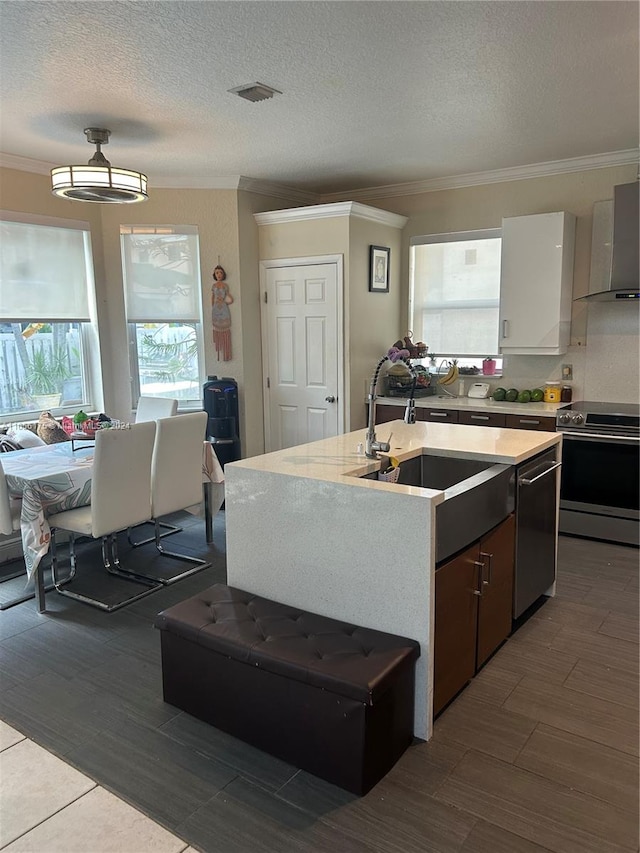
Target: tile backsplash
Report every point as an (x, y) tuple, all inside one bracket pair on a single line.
[(606, 368), (612, 368)]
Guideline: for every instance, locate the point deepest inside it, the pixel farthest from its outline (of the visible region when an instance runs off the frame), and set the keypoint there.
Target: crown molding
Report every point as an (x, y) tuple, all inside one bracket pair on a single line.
[(231, 182), (326, 211), (25, 164), (235, 182), (627, 157), (255, 185)]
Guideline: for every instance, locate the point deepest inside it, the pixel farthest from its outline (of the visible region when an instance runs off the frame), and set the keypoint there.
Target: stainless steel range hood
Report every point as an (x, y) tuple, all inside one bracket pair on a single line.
[(614, 247)]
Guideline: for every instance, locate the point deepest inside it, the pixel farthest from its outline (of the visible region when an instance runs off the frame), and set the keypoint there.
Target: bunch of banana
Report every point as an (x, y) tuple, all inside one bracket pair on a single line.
[(451, 375)]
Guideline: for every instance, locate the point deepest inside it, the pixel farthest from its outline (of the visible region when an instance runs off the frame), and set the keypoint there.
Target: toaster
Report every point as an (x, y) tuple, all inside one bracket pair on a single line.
[(480, 390)]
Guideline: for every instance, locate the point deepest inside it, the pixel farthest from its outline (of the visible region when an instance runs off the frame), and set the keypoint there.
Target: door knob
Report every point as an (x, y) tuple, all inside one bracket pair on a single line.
[(330, 399)]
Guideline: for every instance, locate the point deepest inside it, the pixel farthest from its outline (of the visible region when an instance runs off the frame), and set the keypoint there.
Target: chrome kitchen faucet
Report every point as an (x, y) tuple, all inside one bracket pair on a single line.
[(372, 445)]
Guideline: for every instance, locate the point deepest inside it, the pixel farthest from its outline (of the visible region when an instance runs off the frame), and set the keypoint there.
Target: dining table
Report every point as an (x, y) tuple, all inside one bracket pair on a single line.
[(57, 477)]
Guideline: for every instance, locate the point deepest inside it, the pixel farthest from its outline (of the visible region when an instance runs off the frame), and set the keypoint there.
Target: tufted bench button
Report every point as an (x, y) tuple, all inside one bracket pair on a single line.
[(293, 683)]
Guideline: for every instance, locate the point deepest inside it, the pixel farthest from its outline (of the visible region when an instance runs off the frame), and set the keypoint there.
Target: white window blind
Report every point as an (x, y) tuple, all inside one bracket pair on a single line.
[(45, 269), (161, 271), (455, 292)]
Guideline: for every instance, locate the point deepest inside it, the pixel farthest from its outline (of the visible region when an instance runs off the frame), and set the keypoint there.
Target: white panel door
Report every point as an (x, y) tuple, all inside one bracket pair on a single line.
[(301, 349)]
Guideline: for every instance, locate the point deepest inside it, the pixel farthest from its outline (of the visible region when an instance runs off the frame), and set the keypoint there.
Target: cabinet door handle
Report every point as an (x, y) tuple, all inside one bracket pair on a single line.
[(528, 421), (480, 566), (483, 554), (525, 481), (505, 328), (479, 417), (438, 414)]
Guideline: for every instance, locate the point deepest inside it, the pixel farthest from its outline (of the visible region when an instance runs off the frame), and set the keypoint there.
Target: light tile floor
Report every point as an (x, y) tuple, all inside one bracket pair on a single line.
[(47, 806)]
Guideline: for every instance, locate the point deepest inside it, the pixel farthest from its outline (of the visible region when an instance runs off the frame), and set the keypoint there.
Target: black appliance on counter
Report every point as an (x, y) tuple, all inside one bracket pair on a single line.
[(220, 402), (600, 483)]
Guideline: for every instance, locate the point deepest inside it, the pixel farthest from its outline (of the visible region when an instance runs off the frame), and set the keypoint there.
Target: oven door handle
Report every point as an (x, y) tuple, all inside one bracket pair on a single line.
[(591, 436), (523, 481)]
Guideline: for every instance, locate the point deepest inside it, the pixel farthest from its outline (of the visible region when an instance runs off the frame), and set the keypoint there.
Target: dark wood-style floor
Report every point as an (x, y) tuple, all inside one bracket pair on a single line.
[(539, 753)]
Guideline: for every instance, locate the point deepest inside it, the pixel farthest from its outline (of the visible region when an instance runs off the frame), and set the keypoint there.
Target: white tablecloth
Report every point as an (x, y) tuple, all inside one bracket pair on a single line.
[(55, 478)]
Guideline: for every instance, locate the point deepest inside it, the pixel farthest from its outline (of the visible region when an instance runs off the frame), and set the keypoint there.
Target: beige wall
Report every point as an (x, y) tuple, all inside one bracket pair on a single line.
[(214, 212), (251, 395), (372, 320), (225, 224), (376, 320), (603, 335)]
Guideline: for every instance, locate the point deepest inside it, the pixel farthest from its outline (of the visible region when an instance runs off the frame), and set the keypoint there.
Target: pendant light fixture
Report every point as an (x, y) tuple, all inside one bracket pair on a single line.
[(98, 181)]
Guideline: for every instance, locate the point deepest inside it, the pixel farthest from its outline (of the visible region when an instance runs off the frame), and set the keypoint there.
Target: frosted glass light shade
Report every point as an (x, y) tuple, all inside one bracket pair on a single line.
[(103, 184)]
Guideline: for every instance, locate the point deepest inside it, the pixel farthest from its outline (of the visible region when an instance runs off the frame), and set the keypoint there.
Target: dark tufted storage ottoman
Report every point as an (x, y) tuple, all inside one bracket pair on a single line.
[(323, 695)]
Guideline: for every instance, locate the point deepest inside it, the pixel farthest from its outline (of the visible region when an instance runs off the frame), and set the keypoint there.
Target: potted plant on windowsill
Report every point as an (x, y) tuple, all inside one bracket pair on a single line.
[(45, 374)]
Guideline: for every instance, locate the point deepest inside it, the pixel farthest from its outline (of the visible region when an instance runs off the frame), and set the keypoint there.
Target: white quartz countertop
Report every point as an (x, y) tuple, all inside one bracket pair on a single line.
[(475, 405), (305, 528), (337, 460)]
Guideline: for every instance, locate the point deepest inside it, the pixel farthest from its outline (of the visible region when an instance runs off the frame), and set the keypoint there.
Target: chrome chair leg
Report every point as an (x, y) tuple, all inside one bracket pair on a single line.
[(40, 588), (116, 567), (171, 529), (197, 563), (54, 563), (108, 560)]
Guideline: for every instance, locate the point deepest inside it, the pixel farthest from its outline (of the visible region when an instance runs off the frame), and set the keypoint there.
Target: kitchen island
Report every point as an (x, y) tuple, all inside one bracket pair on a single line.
[(307, 528)]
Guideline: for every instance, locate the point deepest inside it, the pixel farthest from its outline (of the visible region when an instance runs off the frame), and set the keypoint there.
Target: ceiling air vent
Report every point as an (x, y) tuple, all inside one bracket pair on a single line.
[(255, 92)]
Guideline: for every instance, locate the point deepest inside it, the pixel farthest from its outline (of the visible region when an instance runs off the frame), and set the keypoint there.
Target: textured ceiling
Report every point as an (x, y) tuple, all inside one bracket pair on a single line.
[(374, 93)]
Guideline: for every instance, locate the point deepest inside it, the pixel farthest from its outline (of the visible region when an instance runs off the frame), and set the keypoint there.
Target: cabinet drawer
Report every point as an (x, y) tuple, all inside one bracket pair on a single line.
[(493, 419), (531, 422), (384, 414), (442, 415)]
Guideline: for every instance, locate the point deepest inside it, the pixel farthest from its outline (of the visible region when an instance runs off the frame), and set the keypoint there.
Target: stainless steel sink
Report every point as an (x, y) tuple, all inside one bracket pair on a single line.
[(477, 496)]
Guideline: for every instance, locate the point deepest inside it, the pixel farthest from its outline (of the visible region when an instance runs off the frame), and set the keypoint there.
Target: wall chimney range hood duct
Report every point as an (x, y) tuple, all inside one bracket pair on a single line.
[(614, 247)]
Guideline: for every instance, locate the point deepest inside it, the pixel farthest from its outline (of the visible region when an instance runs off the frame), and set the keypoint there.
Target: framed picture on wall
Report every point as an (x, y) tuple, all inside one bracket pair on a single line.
[(379, 269)]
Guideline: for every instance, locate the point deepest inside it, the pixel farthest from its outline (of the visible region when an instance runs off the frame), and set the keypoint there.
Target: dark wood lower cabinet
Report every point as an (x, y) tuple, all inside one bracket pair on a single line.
[(473, 610), (531, 422), (384, 414), (456, 626), (495, 605)]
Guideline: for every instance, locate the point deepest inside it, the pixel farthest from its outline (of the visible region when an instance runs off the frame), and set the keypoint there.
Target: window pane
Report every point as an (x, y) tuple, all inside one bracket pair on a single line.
[(44, 272), (455, 295), (41, 367), (161, 273), (458, 331), (168, 360)]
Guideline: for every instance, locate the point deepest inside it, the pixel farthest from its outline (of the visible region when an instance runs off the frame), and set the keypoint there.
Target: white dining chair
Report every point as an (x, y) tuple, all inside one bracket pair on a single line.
[(176, 478), (152, 408), (120, 498)]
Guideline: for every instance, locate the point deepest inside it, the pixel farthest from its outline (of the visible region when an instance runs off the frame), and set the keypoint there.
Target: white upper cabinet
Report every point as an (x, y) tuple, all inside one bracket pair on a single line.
[(536, 283)]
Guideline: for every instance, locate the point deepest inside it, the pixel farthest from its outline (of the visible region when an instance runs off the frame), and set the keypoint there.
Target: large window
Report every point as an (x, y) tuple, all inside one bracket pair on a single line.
[(46, 289), (161, 271), (455, 292)]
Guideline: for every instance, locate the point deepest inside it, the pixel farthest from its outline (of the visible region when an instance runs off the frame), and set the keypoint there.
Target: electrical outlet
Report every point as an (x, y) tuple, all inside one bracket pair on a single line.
[(567, 371)]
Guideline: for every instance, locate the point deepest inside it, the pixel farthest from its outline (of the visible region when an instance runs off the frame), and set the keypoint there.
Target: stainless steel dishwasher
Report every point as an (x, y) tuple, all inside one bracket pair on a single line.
[(536, 505)]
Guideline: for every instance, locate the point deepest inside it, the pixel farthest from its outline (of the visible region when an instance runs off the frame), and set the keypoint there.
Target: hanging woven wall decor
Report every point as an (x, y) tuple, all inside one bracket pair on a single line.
[(220, 314)]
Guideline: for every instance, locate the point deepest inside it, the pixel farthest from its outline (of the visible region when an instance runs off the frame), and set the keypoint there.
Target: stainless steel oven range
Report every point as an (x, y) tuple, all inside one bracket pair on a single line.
[(599, 487)]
